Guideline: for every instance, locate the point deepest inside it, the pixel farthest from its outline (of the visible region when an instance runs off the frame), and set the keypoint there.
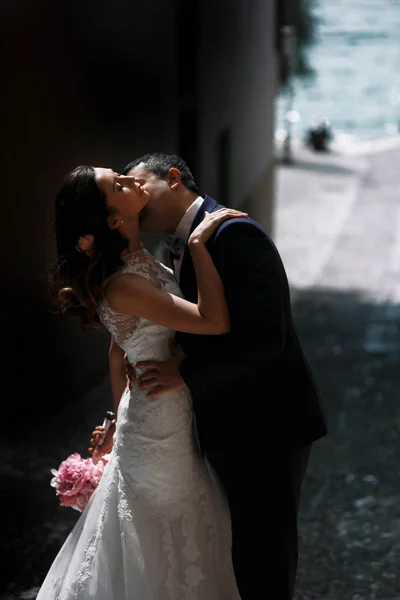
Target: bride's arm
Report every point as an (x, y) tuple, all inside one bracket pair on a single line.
[(117, 368), (118, 382), (134, 295)]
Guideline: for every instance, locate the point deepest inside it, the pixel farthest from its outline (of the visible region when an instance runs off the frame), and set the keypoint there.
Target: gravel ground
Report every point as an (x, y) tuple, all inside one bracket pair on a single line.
[(350, 511)]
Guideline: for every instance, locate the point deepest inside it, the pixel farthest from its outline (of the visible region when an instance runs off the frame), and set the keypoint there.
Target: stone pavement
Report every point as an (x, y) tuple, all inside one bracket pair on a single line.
[(337, 221), (338, 229)]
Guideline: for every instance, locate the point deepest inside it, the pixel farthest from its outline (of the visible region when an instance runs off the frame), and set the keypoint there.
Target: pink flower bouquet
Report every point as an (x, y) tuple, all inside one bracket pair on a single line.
[(76, 480)]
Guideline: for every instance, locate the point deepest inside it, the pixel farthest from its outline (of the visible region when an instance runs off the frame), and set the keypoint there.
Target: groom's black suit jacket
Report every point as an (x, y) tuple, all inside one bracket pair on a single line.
[(254, 383)]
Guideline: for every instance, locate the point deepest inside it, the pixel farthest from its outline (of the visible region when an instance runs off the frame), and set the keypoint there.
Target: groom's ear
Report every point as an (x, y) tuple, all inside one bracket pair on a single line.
[(174, 178)]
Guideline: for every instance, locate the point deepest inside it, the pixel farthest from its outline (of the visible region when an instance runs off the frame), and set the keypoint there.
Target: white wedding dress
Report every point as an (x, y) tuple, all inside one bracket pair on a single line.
[(157, 527)]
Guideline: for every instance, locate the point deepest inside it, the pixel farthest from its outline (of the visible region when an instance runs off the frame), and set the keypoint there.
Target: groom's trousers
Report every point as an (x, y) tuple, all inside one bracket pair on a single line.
[(264, 498)]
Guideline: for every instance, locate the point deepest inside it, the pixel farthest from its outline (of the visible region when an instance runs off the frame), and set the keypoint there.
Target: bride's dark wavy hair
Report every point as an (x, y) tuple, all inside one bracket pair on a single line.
[(77, 280)]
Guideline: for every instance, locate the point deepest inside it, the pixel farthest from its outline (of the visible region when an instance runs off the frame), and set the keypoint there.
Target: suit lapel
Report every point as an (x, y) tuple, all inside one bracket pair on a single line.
[(209, 205), (187, 279)]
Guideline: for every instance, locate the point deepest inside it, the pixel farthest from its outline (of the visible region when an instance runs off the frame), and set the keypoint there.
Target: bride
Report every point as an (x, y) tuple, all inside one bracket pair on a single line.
[(158, 526)]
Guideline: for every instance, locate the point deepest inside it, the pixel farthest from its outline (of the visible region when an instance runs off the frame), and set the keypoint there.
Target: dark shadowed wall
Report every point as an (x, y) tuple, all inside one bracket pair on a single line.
[(100, 83), (86, 82)]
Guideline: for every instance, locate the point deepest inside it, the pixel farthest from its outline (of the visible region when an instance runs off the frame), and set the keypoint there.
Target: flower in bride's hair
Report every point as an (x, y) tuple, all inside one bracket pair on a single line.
[(86, 244)]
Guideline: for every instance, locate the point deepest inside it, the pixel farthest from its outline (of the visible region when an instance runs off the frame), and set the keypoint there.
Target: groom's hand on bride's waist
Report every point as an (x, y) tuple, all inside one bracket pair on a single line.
[(162, 376)]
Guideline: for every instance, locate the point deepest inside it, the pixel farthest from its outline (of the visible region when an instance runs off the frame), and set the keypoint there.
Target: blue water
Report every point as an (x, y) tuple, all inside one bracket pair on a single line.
[(357, 63)]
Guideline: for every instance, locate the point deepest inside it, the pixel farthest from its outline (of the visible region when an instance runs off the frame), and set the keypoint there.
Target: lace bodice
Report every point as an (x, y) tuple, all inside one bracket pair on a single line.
[(139, 338)]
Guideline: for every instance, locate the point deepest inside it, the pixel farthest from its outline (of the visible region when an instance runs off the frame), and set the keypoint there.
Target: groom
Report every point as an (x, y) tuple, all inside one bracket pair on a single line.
[(256, 404)]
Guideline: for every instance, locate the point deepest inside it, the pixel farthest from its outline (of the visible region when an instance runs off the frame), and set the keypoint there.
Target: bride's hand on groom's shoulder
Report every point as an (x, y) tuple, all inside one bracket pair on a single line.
[(162, 376), (211, 222)]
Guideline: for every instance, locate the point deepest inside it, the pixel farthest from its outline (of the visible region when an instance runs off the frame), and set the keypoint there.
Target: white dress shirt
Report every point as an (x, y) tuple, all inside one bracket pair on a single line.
[(183, 231)]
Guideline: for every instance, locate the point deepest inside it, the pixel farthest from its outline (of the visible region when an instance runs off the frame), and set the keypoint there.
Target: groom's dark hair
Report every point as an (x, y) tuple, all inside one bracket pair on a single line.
[(160, 163)]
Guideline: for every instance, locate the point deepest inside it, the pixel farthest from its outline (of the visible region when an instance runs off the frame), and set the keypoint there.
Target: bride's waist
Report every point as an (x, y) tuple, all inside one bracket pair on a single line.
[(136, 401), (134, 359)]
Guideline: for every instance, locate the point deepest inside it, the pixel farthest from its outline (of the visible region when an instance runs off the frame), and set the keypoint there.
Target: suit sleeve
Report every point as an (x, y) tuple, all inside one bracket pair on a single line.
[(251, 271)]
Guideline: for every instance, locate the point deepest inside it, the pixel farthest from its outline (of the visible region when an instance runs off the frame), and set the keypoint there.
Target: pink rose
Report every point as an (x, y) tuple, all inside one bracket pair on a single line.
[(76, 480)]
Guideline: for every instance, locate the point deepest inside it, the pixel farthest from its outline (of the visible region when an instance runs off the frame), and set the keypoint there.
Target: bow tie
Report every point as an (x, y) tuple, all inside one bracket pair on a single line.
[(176, 246)]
